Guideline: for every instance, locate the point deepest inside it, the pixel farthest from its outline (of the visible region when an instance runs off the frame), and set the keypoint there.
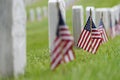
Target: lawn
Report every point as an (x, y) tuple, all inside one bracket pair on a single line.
[(105, 65)]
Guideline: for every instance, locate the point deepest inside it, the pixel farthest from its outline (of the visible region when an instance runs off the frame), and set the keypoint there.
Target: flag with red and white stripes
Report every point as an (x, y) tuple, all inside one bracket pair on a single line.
[(102, 30), (63, 45), (90, 38)]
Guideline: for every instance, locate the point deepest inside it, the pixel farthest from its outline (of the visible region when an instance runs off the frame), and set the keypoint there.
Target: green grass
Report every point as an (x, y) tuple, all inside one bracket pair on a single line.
[(105, 65), (99, 3)]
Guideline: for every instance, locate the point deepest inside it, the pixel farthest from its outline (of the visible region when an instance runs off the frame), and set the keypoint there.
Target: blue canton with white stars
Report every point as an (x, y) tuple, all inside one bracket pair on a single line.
[(87, 26)]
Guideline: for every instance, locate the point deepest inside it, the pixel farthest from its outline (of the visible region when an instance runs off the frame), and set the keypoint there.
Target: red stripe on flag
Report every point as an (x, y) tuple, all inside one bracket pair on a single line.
[(63, 46)]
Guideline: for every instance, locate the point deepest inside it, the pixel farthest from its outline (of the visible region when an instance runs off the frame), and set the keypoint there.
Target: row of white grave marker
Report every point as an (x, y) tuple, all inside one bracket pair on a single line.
[(38, 13), (12, 37), (13, 32), (78, 18), (69, 3), (108, 14)]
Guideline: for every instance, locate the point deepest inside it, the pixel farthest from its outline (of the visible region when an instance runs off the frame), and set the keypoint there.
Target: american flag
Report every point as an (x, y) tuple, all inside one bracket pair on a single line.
[(63, 44), (90, 38), (102, 30)]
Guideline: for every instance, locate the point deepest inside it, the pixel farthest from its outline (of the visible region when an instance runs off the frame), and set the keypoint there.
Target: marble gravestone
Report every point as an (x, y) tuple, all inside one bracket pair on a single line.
[(77, 22), (112, 12), (53, 19), (32, 15), (116, 13), (38, 13), (105, 12), (45, 11), (12, 37), (116, 16)]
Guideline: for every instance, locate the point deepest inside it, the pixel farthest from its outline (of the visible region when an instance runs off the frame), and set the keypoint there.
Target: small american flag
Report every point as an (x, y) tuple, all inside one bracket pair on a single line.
[(90, 39), (102, 30), (63, 45)]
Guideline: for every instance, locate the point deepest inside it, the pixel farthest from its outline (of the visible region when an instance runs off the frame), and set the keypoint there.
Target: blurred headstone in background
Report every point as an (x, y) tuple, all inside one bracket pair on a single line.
[(69, 3), (105, 12), (32, 15), (116, 12), (78, 19), (88, 12), (116, 15), (12, 37), (38, 13), (112, 11), (45, 11)]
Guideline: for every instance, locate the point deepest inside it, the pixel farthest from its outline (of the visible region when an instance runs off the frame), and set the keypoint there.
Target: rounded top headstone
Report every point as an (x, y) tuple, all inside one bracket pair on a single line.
[(77, 6)]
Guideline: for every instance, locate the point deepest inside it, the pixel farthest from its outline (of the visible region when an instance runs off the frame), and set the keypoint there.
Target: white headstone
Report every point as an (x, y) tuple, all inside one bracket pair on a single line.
[(105, 12), (45, 11), (12, 37), (77, 22), (32, 15), (116, 12), (88, 12), (116, 15), (53, 19), (119, 11), (113, 21), (38, 12)]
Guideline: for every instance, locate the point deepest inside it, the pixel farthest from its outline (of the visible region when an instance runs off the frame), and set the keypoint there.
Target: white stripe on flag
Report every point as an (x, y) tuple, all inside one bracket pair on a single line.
[(64, 32), (86, 42), (67, 37), (56, 62), (71, 55), (57, 42), (82, 35), (66, 58), (56, 53), (67, 47), (85, 37)]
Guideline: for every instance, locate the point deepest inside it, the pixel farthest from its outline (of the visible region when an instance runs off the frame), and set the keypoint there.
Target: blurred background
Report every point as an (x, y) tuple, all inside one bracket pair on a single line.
[(103, 66)]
